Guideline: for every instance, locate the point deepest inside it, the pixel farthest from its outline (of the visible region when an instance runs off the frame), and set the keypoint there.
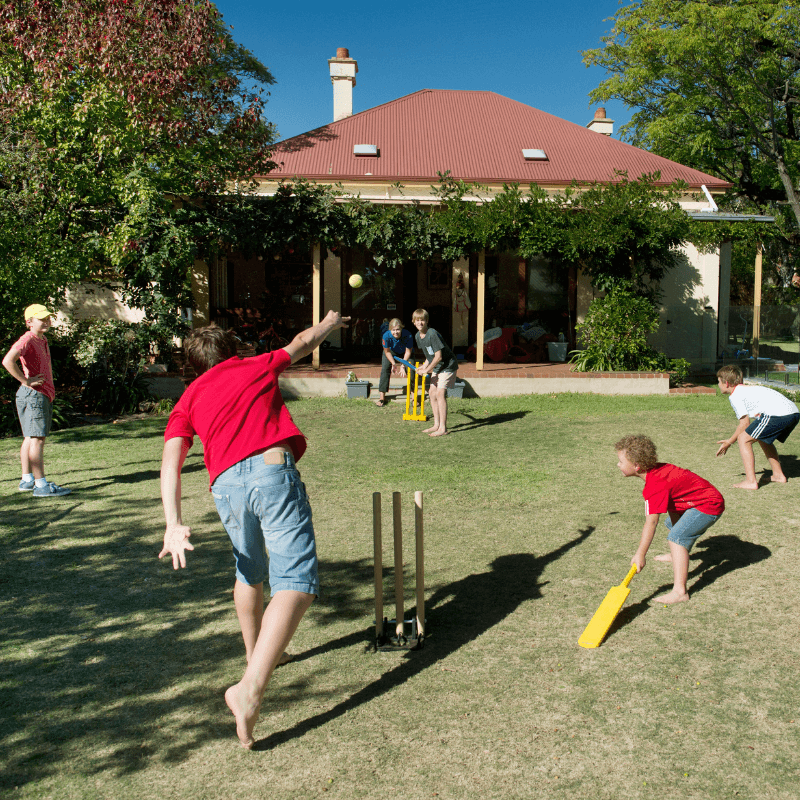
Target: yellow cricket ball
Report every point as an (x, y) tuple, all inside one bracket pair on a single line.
[(355, 281)]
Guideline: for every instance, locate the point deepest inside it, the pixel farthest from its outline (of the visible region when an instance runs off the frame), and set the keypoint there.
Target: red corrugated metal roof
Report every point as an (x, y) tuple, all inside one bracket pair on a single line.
[(477, 136)]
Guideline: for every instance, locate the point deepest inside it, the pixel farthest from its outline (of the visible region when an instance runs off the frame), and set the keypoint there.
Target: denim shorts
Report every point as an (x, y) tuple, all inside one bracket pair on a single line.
[(35, 412), (767, 429), (265, 509), (688, 529)]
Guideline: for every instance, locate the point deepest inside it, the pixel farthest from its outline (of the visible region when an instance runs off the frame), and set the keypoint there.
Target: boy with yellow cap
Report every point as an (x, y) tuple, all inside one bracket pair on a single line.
[(28, 361)]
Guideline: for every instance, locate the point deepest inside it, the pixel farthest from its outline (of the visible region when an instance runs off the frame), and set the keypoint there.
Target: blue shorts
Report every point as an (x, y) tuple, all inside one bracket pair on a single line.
[(688, 529), (35, 411), (264, 508), (767, 429)]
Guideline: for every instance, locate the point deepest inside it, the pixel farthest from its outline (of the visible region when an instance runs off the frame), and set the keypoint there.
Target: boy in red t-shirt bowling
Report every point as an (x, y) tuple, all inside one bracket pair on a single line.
[(28, 361), (250, 447), (691, 503)]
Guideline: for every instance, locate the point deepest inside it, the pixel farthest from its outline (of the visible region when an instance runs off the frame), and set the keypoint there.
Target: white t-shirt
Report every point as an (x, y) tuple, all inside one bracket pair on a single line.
[(753, 401)]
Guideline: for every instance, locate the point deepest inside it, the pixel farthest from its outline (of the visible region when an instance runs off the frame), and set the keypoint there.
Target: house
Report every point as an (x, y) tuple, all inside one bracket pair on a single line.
[(392, 154)]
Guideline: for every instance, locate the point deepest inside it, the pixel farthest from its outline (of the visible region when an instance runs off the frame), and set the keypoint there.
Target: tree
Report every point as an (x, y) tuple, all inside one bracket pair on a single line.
[(716, 85), (116, 116)]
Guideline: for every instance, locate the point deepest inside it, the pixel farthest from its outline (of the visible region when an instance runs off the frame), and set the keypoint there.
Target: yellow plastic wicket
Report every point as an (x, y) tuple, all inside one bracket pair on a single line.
[(411, 410)]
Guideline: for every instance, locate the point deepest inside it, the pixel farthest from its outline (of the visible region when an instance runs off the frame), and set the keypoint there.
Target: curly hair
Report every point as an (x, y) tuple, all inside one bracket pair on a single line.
[(640, 450), (207, 347)]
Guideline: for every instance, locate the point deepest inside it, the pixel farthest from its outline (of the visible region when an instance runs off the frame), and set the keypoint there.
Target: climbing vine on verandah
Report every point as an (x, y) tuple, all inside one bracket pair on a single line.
[(621, 230)]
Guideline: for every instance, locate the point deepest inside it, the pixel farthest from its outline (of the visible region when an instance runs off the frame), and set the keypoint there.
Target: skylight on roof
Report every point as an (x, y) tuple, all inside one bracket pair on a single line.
[(365, 150), (534, 155)]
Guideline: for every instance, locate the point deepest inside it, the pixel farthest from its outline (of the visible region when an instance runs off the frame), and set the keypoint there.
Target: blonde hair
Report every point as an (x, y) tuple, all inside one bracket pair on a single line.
[(639, 450), (420, 313), (731, 374), (395, 323)]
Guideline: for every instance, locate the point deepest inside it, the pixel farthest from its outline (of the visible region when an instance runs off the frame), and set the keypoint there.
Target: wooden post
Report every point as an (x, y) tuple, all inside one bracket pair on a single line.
[(316, 297), (399, 614), (377, 544), (757, 307), (481, 304), (420, 566), (522, 289)]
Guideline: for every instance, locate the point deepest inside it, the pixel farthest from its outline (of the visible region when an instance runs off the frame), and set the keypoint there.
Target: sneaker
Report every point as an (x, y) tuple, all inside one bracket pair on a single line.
[(51, 490), (26, 486)]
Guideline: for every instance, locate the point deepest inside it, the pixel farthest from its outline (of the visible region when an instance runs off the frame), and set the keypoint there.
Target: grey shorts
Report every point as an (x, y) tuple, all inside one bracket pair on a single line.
[(35, 412)]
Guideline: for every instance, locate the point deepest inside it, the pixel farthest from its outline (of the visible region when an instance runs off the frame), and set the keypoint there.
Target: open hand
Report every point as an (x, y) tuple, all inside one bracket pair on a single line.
[(724, 445), (176, 542)]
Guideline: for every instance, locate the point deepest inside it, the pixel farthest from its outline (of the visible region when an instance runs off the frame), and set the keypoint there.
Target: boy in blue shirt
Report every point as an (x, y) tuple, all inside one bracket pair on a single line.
[(396, 341)]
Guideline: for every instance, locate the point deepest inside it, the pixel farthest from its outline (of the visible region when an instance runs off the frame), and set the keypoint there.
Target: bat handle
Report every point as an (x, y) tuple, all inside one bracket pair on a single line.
[(629, 576)]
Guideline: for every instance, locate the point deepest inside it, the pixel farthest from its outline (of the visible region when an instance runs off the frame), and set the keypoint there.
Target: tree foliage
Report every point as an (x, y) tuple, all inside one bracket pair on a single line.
[(114, 116), (715, 85)]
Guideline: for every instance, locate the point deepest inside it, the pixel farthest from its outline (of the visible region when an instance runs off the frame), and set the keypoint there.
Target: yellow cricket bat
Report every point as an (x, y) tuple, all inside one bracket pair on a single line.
[(601, 621)]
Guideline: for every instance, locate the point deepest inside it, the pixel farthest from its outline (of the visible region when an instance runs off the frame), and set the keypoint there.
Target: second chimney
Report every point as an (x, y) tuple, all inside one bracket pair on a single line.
[(343, 77), (601, 124)]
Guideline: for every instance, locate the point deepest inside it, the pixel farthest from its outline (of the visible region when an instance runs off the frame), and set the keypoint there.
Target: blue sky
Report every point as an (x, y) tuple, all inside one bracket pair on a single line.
[(528, 51)]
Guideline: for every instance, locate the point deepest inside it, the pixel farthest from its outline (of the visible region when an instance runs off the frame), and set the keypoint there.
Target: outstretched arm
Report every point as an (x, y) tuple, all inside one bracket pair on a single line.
[(740, 429), (176, 536), (310, 339)]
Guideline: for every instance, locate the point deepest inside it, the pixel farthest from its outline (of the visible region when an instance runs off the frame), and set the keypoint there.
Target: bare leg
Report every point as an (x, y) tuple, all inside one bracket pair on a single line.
[(441, 401), (680, 571), (31, 455), (433, 394), (280, 621), (772, 456), (249, 602), (749, 462)]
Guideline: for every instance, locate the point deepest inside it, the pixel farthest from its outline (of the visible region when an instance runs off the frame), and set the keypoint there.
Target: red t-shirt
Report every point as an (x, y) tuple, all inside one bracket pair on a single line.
[(670, 488), (34, 357), (236, 409)]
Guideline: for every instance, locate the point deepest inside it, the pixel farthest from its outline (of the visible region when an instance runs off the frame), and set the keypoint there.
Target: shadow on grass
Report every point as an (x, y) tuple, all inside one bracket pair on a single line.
[(716, 556), (475, 422), (457, 614)]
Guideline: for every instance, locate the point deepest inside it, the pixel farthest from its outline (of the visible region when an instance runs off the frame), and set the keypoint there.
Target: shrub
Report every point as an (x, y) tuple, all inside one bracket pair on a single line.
[(615, 334)]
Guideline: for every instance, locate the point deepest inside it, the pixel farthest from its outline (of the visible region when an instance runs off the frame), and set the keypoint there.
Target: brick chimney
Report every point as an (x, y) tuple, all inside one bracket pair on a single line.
[(601, 123), (343, 77)]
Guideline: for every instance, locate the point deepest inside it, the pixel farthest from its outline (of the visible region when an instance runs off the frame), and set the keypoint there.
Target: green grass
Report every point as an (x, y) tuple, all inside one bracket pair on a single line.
[(114, 666)]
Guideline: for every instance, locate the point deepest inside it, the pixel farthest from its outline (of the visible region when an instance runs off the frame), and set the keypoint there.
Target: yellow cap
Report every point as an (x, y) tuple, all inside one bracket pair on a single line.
[(38, 311)]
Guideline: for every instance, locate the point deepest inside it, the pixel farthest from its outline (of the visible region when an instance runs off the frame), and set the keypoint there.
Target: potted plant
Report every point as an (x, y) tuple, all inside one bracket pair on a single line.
[(356, 388)]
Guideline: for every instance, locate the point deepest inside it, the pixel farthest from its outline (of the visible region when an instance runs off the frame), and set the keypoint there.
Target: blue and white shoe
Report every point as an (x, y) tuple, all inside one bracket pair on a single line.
[(51, 490), (27, 486)]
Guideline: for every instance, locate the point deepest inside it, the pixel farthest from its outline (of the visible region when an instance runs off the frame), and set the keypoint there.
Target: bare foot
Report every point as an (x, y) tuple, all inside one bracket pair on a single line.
[(430, 430), (746, 485), (673, 597), (664, 557), (781, 479), (245, 713), (284, 659), (440, 433)]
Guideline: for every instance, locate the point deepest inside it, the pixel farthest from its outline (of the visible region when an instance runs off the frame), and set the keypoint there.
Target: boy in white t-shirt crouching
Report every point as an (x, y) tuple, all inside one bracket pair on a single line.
[(774, 417)]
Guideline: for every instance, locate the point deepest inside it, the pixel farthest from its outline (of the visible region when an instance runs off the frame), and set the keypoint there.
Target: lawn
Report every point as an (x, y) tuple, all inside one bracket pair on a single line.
[(114, 666)]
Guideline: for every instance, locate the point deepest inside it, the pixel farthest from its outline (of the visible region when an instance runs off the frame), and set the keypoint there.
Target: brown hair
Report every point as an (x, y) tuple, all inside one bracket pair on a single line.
[(730, 374), (420, 313), (639, 450), (207, 347)]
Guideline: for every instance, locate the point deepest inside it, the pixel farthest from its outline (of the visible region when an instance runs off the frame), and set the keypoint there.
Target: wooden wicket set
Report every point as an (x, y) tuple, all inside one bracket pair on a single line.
[(411, 408), (384, 640)]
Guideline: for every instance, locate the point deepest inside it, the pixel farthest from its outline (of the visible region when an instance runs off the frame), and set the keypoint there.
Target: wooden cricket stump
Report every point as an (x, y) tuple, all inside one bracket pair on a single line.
[(399, 633)]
